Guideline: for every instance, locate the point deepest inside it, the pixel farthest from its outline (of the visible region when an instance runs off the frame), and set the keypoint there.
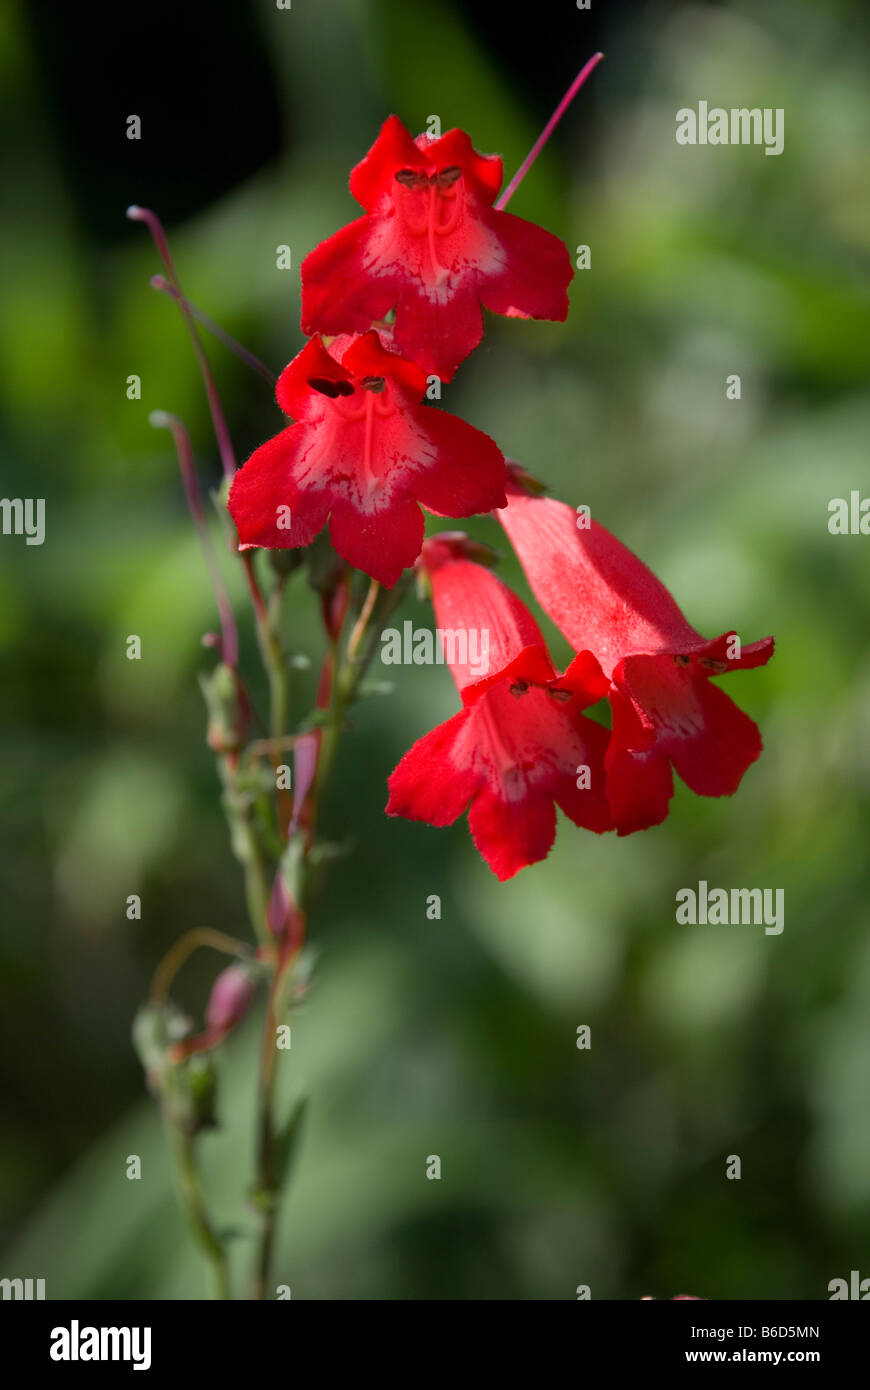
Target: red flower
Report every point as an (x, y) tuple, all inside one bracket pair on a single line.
[(432, 246), (516, 748), (364, 453), (665, 711)]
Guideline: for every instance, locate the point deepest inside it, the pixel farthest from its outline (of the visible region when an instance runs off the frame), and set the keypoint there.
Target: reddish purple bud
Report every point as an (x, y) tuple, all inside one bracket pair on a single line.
[(231, 995)]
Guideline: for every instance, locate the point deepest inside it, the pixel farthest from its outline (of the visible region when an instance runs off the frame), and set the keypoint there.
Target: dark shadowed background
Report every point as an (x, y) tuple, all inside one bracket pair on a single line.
[(560, 1167)]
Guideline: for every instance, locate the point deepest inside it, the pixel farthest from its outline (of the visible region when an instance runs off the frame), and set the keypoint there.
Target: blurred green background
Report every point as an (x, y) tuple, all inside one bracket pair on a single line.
[(560, 1167)]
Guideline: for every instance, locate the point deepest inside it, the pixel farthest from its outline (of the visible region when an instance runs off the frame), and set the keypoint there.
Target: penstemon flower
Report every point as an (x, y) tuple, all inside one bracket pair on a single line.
[(657, 668), (520, 746), (432, 246), (363, 453)]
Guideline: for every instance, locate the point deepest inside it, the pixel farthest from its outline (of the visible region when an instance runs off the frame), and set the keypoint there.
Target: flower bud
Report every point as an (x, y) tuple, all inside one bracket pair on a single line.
[(230, 998), (221, 693)]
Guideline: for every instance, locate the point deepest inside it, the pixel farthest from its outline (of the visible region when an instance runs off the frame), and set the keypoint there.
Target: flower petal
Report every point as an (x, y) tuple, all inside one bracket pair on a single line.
[(532, 667), (382, 542), (433, 782), (468, 476), (265, 487), (367, 356), (713, 762), (438, 330), (602, 597), (345, 288), (586, 806), (394, 149), (294, 393), (470, 599), (454, 147), (535, 273), (639, 790), (512, 835)]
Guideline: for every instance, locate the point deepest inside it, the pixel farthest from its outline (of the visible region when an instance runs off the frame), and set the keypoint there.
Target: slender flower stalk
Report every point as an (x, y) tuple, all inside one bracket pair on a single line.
[(362, 621), (189, 1183), (184, 1081), (182, 949), (265, 1195), (222, 434), (258, 602), (161, 419), (240, 809), (587, 69), (159, 282)]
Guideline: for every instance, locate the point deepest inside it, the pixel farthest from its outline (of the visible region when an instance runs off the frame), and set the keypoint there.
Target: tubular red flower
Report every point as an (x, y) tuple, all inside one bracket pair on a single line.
[(363, 454), (432, 246), (666, 714), (514, 751)]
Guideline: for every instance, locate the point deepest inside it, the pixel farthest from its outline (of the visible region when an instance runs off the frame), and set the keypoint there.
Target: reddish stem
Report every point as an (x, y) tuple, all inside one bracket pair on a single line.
[(159, 282), (253, 586), (545, 134), (222, 434), (161, 419)]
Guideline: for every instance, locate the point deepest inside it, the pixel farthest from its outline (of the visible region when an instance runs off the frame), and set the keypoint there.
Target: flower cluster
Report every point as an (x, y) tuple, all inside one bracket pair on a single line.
[(392, 302)]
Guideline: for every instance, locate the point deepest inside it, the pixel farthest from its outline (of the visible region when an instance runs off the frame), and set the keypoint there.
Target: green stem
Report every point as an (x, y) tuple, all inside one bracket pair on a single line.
[(347, 677), (347, 680), (190, 1193), (388, 602), (239, 808), (268, 1176), (276, 663), (267, 615)]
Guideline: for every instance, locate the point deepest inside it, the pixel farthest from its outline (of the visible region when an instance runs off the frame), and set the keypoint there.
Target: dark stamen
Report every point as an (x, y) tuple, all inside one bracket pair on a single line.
[(680, 659), (711, 664), (519, 688), (563, 695), (445, 177), (330, 388), (373, 383), (411, 178)]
